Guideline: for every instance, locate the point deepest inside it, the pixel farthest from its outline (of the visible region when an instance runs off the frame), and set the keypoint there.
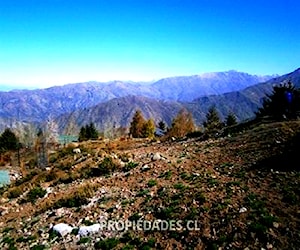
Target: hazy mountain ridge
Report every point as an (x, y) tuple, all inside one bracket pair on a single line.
[(244, 103), (118, 112), (186, 89), (37, 105), (112, 104)]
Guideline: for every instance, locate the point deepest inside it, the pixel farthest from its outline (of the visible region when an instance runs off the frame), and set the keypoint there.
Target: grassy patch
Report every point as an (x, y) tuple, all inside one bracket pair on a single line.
[(107, 244), (152, 183), (84, 240), (129, 166)]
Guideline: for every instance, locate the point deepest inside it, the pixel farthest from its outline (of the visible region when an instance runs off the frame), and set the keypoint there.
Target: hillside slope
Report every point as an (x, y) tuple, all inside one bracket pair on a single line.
[(119, 112), (225, 185)]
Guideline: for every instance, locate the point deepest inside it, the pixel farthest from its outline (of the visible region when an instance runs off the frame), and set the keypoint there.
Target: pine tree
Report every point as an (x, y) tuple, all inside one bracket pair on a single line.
[(182, 124), (162, 126), (283, 103), (8, 140), (88, 132), (92, 131), (82, 134), (136, 125), (231, 119), (213, 122)]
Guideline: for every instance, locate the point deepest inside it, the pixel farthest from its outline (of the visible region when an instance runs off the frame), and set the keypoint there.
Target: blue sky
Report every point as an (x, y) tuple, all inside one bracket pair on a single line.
[(51, 42)]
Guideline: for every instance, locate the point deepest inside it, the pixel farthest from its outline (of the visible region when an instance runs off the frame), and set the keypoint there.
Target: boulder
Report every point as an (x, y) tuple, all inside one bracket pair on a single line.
[(156, 157), (86, 230), (63, 229)]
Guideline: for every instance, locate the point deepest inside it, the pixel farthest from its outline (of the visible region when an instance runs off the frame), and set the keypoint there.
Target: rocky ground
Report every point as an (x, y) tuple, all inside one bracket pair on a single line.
[(242, 191)]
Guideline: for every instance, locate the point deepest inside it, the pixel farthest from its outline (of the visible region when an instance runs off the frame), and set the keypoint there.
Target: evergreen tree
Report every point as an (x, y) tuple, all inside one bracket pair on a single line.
[(231, 119), (162, 125), (8, 140), (213, 122), (182, 124), (136, 125), (148, 129), (92, 131), (88, 132), (283, 103), (82, 134)]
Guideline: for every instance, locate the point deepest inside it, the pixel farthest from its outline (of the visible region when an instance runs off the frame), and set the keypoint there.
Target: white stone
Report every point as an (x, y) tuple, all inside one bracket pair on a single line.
[(76, 150), (63, 229), (86, 230), (145, 167), (156, 157), (243, 210)]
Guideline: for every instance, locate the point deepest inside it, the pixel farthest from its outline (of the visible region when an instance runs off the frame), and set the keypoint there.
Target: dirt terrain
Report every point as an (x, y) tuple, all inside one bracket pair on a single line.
[(242, 190)]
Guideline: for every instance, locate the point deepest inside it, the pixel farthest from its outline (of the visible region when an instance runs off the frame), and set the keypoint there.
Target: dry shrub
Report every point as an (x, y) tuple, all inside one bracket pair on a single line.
[(75, 198)]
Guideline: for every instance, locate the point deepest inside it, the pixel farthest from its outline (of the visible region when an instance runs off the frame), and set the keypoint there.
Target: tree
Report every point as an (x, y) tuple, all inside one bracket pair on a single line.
[(282, 103), (52, 133), (231, 119), (26, 133), (41, 149), (162, 126), (148, 129), (182, 124), (8, 140), (88, 132), (92, 131), (82, 134), (213, 122), (136, 125)]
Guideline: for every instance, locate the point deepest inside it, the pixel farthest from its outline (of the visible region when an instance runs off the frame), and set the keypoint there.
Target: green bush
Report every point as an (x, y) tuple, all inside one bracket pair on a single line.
[(107, 166), (84, 240), (35, 193), (152, 183), (130, 165), (38, 247), (65, 151), (107, 244)]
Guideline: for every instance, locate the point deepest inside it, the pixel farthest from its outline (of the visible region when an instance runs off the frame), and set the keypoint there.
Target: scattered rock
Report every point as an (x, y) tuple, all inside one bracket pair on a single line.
[(145, 167), (63, 229), (156, 157), (243, 210), (86, 230), (76, 150)]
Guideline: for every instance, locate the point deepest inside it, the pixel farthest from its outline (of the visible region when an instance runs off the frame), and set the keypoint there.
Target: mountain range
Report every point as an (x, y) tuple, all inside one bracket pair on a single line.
[(112, 104)]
